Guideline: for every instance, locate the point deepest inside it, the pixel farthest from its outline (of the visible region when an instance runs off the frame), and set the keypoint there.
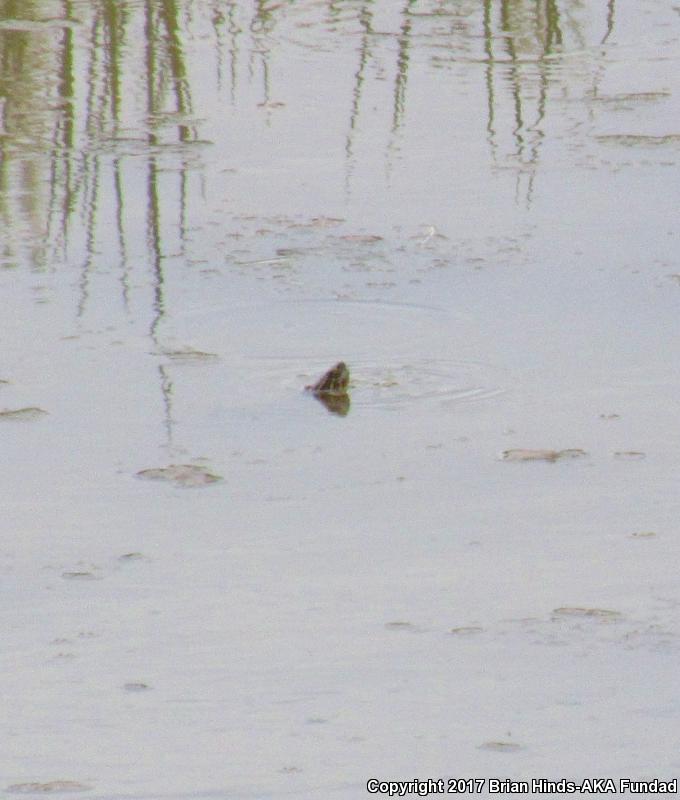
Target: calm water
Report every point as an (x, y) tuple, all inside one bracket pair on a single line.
[(203, 206)]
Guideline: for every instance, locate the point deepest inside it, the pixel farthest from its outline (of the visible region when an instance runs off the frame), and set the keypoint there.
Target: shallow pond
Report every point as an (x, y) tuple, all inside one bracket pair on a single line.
[(213, 585)]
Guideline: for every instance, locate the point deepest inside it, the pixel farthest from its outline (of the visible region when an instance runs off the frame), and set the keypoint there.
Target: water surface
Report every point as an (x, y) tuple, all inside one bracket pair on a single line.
[(203, 206)]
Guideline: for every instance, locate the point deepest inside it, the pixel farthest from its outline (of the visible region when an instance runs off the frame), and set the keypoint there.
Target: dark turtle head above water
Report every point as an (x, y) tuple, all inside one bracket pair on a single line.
[(331, 389), (335, 381)]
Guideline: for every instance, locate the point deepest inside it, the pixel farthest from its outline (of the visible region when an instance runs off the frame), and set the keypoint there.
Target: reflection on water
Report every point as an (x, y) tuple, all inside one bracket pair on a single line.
[(203, 206), (133, 132), (103, 101)]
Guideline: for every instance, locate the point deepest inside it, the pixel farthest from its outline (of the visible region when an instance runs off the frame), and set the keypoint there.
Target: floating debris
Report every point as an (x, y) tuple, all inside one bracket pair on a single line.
[(27, 414), (136, 687), (466, 630), (332, 389), (262, 262), (131, 557), (400, 626), (362, 238), (290, 251), (625, 97), (629, 455), (319, 222), (633, 139), (541, 455), (643, 534), (47, 788), (79, 576), (575, 611), (188, 475), (188, 354), (500, 747)]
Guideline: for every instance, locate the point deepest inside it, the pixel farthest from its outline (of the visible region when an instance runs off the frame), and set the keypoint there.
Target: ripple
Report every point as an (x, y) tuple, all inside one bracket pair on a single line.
[(428, 379), (378, 385)]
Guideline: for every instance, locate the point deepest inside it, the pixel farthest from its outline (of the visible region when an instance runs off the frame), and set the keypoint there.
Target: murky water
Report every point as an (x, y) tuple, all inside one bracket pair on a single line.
[(204, 206)]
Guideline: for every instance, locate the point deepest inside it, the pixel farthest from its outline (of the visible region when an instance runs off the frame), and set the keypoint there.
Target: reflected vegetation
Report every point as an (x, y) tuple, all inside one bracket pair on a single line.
[(97, 100), (109, 110), (203, 206)]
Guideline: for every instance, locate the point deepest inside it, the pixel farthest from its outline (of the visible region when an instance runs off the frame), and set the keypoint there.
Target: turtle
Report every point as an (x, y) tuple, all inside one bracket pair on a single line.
[(335, 381), (332, 389)]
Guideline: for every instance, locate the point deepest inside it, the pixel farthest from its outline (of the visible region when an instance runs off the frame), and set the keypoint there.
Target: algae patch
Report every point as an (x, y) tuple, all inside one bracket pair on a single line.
[(541, 455), (27, 414), (187, 475)]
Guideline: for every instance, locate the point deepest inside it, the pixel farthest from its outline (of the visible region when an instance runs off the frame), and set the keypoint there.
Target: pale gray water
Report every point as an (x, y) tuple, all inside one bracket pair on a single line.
[(203, 206)]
